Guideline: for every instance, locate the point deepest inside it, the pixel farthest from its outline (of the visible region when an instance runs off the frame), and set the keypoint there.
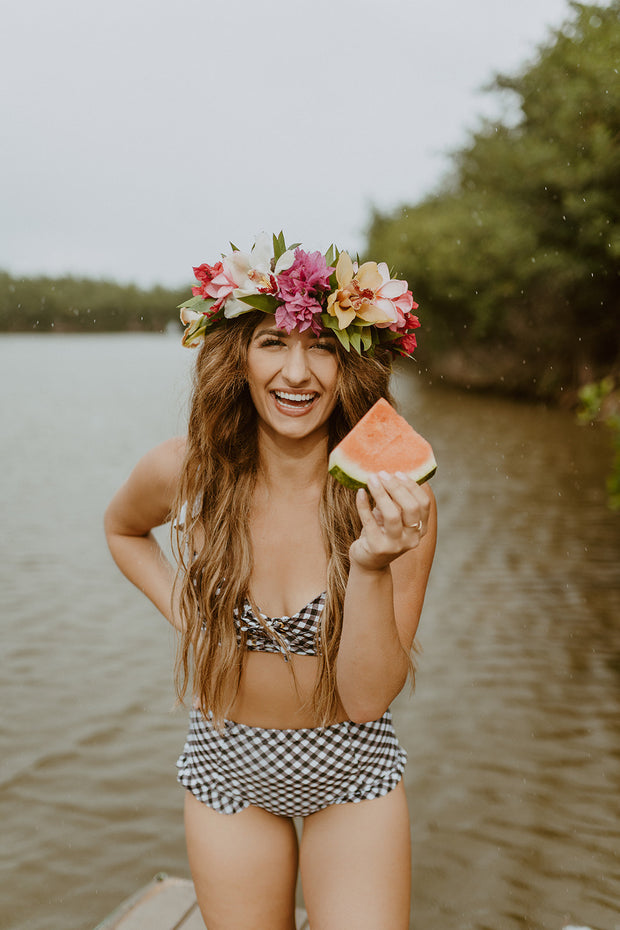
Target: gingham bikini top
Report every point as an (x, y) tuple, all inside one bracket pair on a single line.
[(296, 634)]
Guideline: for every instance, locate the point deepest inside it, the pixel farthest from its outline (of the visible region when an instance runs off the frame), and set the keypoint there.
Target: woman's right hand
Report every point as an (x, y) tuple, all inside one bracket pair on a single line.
[(396, 524)]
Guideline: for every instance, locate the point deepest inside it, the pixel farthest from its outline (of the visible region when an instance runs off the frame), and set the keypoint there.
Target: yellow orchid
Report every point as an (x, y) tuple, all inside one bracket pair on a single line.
[(359, 294)]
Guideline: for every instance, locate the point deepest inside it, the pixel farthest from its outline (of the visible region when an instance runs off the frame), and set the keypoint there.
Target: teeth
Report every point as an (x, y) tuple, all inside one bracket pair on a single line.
[(282, 396)]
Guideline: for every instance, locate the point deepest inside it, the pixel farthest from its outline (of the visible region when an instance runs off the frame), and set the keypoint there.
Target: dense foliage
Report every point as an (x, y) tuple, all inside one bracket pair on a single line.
[(81, 305), (599, 402), (516, 260)]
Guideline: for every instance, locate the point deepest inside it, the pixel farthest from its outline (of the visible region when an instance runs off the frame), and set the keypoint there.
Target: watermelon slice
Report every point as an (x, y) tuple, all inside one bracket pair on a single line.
[(381, 441)]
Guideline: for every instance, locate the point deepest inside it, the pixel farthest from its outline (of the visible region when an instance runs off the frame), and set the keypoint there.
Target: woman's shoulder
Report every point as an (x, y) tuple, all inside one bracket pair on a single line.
[(170, 453), (159, 470), (147, 497)]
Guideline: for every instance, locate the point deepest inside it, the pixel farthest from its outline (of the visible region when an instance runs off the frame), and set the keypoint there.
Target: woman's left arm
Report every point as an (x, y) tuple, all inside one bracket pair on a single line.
[(390, 564)]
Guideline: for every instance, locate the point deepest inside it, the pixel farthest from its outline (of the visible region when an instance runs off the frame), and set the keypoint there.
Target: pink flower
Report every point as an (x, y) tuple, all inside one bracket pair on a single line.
[(393, 298), (406, 344), (214, 282), (407, 320), (307, 275), (205, 274), (292, 316), (301, 288)]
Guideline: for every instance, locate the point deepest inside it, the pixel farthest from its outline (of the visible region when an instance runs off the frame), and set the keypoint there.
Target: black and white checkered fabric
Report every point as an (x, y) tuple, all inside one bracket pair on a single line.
[(292, 773), (297, 634)]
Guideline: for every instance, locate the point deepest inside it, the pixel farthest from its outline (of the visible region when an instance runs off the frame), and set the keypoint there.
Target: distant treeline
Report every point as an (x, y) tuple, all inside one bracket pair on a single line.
[(515, 262), (70, 304)]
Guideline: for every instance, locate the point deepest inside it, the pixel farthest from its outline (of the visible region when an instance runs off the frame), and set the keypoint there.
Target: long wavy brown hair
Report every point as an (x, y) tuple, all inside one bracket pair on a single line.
[(215, 496)]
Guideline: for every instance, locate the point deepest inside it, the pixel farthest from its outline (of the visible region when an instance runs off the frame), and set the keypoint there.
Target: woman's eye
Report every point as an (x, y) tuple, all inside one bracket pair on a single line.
[(327, 346), (270, 342)]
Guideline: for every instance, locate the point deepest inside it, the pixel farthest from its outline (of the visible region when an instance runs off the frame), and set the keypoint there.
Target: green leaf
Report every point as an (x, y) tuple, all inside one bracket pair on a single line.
[(330, 322), (388, 335), (330, 256), (267, 303), (279, 245), (197, 303), (234, 247), (355, 339), (343, 337), (366, 337)]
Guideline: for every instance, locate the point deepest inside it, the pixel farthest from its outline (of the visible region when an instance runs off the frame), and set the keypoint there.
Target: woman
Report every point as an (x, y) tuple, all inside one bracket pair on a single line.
[(291, 702)]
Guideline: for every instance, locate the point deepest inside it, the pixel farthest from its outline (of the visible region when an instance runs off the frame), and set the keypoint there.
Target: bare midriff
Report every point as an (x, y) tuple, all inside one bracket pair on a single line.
[(276, 694)]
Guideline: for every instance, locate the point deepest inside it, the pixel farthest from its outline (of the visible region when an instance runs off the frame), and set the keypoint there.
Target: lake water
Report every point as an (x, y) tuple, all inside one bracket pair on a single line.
[(514, 729)]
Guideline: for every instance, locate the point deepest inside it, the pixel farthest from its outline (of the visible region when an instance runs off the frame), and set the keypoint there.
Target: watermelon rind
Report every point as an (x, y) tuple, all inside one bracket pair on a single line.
[(361, 481), (429, 474), (345, 479)]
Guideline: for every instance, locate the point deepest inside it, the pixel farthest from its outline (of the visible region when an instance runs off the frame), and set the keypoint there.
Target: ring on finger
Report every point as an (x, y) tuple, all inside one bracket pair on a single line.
[(414, 526)]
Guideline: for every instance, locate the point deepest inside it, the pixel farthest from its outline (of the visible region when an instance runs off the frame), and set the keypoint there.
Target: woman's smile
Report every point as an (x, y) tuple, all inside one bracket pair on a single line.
[(294, 403)]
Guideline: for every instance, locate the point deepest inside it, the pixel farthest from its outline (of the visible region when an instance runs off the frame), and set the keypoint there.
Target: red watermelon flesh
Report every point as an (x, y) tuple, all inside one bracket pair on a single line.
[(381, 441)]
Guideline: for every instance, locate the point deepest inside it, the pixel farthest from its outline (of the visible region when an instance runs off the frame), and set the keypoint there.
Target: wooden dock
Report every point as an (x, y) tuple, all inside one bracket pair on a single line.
[(166, 903), (170, 904)]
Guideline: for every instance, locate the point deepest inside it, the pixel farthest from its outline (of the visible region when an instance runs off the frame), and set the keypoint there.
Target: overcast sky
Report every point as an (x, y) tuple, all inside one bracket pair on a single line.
[(140, 136)]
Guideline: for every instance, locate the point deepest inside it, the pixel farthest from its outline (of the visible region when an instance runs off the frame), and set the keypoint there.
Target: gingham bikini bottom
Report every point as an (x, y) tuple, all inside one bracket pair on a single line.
[(294, 772)]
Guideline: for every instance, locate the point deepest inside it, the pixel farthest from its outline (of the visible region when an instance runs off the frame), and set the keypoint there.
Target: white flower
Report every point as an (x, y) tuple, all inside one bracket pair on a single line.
[(196, 324), (250, 272), (285, 261)]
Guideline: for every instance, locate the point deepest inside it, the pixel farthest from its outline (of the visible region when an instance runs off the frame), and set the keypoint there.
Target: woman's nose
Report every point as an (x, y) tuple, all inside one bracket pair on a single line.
[(295, 368)]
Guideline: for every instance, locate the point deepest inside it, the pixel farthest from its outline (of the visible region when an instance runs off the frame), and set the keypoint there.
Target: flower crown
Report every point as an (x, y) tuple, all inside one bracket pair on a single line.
[(360, 304)]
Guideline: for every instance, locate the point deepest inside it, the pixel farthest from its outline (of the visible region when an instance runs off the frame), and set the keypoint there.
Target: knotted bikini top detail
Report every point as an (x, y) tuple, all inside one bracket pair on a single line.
[(296, 634)]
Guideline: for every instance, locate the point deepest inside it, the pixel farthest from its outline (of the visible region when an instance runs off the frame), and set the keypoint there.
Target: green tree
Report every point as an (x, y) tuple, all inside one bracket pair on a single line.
[(69, 304), (517, 258), (600, 403)]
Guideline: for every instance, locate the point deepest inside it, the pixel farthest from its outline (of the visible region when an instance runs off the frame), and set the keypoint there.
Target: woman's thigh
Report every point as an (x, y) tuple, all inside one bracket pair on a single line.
[(244, 867), (356, 865)]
